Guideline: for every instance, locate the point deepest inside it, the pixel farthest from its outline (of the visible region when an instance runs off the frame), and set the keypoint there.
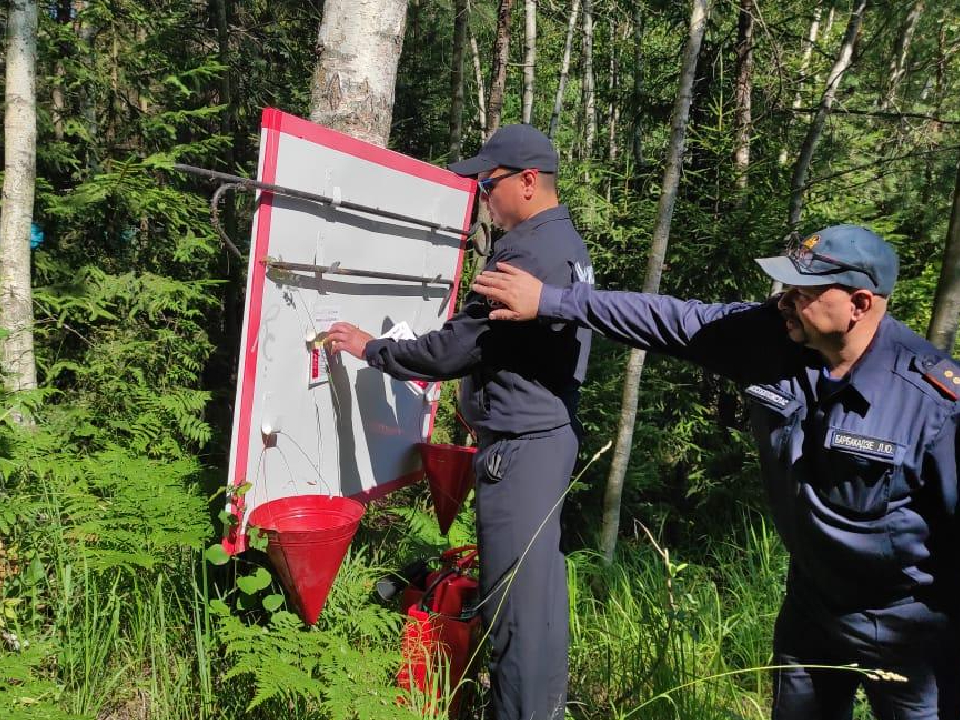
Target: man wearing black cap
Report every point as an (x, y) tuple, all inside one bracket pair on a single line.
[(519, 392), (857, 421)]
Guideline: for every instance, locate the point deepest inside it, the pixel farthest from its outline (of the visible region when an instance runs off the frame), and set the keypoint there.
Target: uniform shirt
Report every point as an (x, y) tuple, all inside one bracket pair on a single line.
[(861, 473), (518, 377)]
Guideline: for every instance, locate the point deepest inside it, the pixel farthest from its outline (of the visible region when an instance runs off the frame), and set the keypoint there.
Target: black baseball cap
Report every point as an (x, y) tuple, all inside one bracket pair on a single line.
[(847, 255), (519, 146)]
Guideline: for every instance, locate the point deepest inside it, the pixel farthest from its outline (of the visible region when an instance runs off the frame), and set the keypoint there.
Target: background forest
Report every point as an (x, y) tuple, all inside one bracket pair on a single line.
[(693, 138)]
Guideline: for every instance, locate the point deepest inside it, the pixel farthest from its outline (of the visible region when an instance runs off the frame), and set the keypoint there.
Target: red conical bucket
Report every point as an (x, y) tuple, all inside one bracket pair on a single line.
[(308, 536), (449, 470)]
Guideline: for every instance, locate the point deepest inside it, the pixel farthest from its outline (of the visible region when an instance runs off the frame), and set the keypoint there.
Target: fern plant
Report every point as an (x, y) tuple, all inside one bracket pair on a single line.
[(26, 690), (342, 669)]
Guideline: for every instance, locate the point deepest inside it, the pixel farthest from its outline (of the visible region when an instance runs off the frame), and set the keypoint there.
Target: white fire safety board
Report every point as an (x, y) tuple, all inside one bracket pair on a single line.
[(306, 422)]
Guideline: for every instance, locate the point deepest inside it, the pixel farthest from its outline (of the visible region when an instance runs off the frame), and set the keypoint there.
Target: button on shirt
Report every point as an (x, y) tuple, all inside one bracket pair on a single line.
[(861, 472), (517, 377)]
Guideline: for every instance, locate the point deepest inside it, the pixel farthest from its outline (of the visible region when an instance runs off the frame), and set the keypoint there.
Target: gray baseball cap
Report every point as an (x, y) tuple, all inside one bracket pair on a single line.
[(847, 255), (519, 146)]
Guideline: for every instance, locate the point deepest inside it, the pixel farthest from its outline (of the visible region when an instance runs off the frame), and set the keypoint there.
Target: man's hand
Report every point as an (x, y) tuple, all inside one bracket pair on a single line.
[(344, 337), (515, 289)]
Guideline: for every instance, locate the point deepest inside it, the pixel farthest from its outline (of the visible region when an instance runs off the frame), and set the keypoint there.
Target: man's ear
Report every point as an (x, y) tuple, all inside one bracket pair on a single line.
[(862, 303), (530, 180)]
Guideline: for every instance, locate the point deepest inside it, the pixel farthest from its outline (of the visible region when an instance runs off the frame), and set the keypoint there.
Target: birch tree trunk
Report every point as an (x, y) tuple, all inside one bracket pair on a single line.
[(946, 302), (529, 58), (564, 69), (814, 132), (742, 93), (613, 109), (481, 89), (17, 361), (358, 48), (498, 71), (651, 283), (829, 26), (807, 52), (461, 13), (898, 63), (589, 94)]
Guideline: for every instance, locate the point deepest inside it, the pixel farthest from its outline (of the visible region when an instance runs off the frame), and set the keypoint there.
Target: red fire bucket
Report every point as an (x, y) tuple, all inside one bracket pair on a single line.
[(308, 536), (449, 470)]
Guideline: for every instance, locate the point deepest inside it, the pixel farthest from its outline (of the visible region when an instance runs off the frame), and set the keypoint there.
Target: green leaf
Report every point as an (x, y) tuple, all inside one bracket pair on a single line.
[(216, 555), (251, 584), (272, 602), (257, 538), (219, 607), (35, 572)]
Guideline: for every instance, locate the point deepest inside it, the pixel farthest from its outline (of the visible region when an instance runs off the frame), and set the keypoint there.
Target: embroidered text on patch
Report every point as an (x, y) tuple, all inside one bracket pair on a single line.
[(843, 440), (758, 391)]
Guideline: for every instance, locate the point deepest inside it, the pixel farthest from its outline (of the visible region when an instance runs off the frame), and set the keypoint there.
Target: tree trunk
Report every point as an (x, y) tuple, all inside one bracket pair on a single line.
[(529, 58), (58, 97), (651, 283), (589, 94), (481, 90), (461, 14), (613, 109), (89, 96), (898, 63), (802, 166), (358, 48), (636, 135), (564, 69), (946, 302), (807, 52), (20, 173), (229, 128), (830, 17), (742, 93), (498, 72)]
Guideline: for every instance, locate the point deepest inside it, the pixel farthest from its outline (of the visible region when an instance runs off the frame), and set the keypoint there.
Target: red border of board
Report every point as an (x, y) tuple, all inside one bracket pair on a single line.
[(276, 122)]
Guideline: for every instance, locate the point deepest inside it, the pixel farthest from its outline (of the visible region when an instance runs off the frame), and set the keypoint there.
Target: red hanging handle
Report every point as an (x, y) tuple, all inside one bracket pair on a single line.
[(463, 557)]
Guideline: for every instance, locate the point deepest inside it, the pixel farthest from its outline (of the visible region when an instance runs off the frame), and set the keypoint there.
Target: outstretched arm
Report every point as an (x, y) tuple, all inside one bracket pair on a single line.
[(739, 340)]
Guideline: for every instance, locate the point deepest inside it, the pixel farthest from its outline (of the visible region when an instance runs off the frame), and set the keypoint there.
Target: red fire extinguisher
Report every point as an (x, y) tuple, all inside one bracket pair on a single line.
[(442, 624)]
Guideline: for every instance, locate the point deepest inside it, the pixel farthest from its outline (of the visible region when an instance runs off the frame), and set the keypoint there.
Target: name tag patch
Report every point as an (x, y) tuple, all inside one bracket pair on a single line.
[(769, 396), (851, 442)]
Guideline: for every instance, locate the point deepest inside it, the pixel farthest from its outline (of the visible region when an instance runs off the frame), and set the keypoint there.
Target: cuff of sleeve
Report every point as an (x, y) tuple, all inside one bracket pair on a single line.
[(550, 299), (372, 349)]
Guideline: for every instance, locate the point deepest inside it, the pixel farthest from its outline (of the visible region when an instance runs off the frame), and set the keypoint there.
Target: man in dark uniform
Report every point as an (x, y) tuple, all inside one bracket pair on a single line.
[(857, 421), (519, 392)]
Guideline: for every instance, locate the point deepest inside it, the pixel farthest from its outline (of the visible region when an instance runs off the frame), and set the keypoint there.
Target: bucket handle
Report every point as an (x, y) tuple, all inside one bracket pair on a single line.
[(292, 478)]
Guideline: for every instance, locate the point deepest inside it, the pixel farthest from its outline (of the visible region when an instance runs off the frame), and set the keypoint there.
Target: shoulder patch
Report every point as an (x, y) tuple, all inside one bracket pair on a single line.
[(945, 377)]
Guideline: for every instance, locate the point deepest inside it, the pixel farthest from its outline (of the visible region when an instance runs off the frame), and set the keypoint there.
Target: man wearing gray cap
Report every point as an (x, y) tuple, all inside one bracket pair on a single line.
[(857, 421), (519, 391)]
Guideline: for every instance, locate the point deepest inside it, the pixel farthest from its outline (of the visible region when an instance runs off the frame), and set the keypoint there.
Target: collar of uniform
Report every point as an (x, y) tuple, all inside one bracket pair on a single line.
[(873, 368), (560, 212)]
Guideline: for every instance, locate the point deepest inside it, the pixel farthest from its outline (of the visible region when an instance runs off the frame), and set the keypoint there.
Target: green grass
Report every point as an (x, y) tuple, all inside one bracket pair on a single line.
[(120, 617)]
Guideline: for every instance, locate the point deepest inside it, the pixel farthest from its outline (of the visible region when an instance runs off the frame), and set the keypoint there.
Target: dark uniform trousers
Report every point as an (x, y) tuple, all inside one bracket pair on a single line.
[(521, 481), (911, 640)]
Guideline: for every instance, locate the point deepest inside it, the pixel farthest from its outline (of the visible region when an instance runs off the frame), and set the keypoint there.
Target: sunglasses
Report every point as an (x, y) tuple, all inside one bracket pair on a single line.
[(803, 259), (487, 185)]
